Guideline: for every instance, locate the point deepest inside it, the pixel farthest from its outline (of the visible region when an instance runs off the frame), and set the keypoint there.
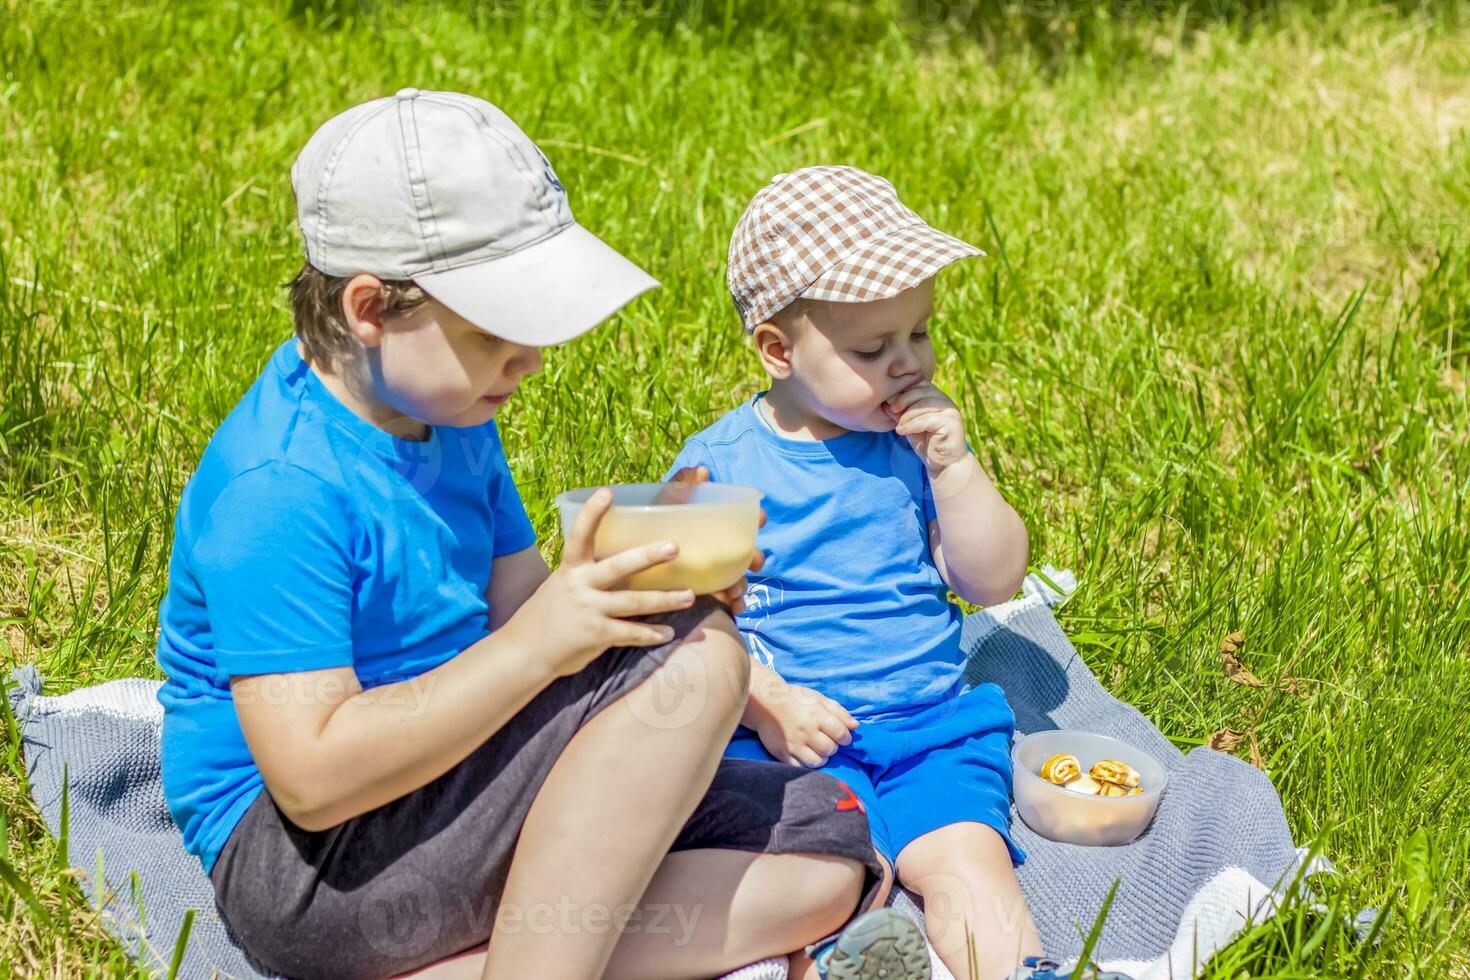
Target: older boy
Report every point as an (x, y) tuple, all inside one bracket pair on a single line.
[(388, 727)]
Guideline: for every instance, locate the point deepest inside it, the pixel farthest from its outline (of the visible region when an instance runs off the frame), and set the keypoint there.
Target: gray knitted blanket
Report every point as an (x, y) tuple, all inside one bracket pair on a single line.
[(1218, 855)]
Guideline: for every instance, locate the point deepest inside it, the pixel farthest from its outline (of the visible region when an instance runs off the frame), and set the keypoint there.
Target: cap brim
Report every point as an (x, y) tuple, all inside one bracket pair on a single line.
[(888, 265), (543, 294)]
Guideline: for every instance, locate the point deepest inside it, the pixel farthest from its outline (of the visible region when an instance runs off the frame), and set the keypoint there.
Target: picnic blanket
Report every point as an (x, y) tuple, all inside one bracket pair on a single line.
[(1217, 856)]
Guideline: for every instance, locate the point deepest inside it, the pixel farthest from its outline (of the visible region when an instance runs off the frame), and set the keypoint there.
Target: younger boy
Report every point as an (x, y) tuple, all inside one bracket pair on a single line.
[(876, 508)]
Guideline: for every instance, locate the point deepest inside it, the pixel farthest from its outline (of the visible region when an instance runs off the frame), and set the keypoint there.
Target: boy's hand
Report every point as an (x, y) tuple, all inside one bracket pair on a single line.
[(797, 725), (578, 612), (931, 422), (677, 491)]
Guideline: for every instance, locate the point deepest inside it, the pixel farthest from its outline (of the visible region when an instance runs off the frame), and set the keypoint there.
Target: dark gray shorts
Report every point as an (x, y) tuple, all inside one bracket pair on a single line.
[(419, 879)]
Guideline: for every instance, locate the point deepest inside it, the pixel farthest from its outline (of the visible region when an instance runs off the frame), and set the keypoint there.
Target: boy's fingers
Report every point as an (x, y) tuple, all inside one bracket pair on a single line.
[(918, 401), (823, 745), (922, 420), (757, 560), (607, 573), (625, 604), (578, 550), (836, 729), (641, 635), (908, 396), (808, 757), (914, 412), (733, 596), (840, 719), (680, 486)]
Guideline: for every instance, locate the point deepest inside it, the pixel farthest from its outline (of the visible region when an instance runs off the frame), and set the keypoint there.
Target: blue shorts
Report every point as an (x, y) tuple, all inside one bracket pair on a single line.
[(913, 773)]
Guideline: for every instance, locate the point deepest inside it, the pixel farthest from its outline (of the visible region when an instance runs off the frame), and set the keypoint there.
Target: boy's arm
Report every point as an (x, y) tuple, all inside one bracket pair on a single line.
[(979, 542), (328, 750), (513, 578)]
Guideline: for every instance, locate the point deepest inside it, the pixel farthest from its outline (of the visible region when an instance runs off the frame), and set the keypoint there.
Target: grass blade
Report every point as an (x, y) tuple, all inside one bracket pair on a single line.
[(21, 888), (181, 944)]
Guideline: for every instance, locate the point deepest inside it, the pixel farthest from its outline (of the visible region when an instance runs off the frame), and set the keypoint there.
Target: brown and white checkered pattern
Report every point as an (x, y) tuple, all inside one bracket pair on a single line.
[(830, 233)]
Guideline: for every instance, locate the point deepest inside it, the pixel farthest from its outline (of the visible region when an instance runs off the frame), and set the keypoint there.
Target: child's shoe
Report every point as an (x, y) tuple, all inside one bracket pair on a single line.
[(1037, 968), (881, 943)]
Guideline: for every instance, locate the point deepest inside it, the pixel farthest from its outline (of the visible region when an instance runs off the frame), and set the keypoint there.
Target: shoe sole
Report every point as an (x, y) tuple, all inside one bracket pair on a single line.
[(880, 945)]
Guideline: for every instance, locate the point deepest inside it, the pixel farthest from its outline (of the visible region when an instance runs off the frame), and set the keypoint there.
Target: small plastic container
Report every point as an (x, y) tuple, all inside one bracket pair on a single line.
[(1074, 818), (714, 525)]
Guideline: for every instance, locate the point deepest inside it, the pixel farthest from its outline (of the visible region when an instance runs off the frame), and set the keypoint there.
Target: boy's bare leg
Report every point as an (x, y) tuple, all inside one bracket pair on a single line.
[(964, 874), (800, 966), (710, 911), (612, 806)]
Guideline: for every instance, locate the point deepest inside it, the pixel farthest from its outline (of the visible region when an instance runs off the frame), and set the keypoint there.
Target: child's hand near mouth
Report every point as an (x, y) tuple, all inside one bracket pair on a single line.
[(931, 422)]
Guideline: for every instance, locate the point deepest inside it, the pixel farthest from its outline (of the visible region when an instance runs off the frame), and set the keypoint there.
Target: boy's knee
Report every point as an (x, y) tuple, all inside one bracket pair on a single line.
[(825, 894), (717, 644), (707, 672)]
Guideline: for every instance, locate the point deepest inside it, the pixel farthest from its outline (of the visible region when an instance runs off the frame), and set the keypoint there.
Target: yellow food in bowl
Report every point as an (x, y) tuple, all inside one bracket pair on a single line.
[(714, 525)]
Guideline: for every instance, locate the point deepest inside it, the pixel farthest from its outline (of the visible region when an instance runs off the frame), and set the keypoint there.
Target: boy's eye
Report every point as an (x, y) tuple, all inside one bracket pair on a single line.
[(869, 355)]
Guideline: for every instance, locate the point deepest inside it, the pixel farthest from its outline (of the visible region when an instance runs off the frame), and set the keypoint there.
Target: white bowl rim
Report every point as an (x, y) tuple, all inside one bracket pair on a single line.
[(1146, 794), (744, 494)]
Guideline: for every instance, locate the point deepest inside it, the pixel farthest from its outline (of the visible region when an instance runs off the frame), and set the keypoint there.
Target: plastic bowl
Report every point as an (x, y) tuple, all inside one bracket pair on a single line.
[(714, 525), (1061, 815)]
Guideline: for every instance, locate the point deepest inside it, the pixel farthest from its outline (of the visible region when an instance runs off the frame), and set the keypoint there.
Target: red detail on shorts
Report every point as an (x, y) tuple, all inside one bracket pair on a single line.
[(850, 801)]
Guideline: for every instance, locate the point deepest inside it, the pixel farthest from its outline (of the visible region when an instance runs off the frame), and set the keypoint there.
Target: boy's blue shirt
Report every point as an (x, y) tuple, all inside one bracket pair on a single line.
[(850, 601), (306, 539)]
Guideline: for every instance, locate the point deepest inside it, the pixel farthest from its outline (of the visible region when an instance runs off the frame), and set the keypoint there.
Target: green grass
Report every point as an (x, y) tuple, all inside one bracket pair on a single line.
[(1217, 358)]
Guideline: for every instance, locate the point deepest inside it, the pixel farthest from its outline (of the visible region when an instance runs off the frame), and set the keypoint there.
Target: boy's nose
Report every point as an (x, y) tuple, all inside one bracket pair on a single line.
[(526, 361), (905, 361)]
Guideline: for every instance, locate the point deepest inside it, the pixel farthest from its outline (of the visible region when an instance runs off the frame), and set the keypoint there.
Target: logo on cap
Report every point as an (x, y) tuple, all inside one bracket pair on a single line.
[(551, 177)]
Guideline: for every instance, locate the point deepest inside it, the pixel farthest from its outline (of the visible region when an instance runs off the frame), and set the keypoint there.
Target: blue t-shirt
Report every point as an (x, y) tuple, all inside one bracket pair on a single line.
[(850, 602), (306, 539)]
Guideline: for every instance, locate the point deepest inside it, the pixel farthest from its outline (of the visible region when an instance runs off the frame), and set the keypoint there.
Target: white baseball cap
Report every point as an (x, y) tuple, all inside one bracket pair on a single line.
[(444, 189)]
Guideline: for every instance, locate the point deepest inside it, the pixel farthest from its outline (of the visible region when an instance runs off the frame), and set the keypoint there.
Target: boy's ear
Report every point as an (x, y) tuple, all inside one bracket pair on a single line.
[(363, 308), (774, 348)]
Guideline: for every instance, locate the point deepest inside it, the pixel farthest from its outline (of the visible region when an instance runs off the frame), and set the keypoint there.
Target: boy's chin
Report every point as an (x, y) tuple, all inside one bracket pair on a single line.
[(482, 412), (882, 421), (477, 414), (869, 425)]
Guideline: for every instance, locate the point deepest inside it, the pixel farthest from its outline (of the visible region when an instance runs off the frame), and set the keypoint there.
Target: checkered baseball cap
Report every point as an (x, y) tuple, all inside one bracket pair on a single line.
[(830, 233)]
